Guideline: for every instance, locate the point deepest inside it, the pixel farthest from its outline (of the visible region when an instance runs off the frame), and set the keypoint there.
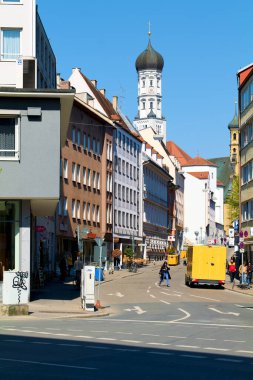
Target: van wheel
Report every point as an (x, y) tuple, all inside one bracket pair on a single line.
[(191, 284)]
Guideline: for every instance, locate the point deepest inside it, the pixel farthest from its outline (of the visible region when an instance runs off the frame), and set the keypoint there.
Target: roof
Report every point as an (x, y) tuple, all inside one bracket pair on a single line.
[(200, 175), (234, 122), (219, 183), (177, 152), (225, 172), (199, 161), (244, 73), (149, 59)]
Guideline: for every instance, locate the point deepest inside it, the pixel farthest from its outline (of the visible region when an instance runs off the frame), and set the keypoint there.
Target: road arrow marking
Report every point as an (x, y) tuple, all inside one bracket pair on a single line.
[(221, 312), (137, 309), (118, 294)]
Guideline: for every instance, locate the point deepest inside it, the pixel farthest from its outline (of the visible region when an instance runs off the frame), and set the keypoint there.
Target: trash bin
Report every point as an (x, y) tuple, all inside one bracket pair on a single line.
[(99, 274)]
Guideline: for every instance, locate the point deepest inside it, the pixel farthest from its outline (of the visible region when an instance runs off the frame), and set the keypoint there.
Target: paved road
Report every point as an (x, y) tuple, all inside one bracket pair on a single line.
[(152, 331)]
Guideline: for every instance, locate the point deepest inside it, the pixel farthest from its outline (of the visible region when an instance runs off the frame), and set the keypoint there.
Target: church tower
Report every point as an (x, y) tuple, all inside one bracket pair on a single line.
[(234, 143), (149, 65)]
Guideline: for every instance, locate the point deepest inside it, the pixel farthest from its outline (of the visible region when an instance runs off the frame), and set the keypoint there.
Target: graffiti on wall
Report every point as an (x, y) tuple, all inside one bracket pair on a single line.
[(19, 283)]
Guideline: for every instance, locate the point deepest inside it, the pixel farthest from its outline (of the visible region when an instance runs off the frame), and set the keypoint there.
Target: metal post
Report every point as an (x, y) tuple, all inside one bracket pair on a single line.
[(100, 263)]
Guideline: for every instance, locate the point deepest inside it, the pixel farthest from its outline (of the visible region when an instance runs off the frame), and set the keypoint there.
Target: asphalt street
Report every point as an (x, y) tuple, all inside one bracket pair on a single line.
[(151, 331)]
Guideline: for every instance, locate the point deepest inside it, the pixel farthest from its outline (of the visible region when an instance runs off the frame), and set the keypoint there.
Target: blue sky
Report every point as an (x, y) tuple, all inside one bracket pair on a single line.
[(203, 42)]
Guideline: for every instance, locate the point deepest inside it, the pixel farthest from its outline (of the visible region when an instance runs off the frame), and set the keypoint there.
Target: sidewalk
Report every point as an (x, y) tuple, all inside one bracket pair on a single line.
[(237, 287)]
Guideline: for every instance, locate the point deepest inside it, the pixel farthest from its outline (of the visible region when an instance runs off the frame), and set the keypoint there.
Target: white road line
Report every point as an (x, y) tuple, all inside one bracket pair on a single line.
[(28, 331), (148, 291), (177, 337), (84, 336), (222, 312), (110, 339), (130, 341), (216, 349), (46, 364), (51, 328), (60, 334), (205, 338), (205, 298), (235, 341), (167, 303), (244, 352), (150, 334), (158, 344), (99, 331), (229, 360), (123, 333), (151, 295), (43, 333), (181, 319), (185, 346), (169, 294), (193, 356)]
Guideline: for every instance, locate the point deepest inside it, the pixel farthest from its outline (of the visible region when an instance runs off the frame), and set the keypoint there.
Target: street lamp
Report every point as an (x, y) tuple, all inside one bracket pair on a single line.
[(99, 242), (196, 234)]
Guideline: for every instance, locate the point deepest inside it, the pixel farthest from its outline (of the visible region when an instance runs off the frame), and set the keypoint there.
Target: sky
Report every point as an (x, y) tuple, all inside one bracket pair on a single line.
[(203, 42)]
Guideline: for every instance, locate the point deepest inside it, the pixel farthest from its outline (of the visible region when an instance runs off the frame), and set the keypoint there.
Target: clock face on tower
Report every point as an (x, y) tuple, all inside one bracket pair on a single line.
[(151, 90)]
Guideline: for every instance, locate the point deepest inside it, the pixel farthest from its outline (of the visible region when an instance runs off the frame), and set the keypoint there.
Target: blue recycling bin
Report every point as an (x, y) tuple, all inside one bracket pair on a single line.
[(99, 274)]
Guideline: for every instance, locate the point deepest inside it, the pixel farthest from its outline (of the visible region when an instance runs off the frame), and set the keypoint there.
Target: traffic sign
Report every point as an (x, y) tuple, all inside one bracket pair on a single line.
[(242, 250), (245, 233), (241, 233), (241, 244)]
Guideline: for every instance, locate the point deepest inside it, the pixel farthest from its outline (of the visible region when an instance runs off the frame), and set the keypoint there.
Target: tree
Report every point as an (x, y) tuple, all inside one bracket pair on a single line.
[(233, 199), (129, 252)]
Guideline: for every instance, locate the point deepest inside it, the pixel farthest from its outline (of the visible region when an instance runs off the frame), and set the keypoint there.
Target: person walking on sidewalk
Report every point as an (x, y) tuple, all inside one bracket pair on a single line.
[(78, 266), (232, 270), (164, 273), (249, 273)]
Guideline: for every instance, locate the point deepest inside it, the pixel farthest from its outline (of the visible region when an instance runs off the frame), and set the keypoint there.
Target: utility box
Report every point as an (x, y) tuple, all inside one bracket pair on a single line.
[(16, 287), (206, 265), (88, 288)]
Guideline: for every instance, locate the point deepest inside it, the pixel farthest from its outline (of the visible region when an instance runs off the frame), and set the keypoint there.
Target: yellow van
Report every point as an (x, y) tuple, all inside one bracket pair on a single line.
[(206, 265)]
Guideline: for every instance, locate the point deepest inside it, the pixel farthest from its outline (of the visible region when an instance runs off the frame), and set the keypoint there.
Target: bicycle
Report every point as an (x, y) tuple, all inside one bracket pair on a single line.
[(132, 267)]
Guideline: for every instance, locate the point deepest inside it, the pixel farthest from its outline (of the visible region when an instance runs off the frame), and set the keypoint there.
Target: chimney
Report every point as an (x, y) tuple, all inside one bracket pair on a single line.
[(94, 82), (115, 102), (102, 90), (76, 68)]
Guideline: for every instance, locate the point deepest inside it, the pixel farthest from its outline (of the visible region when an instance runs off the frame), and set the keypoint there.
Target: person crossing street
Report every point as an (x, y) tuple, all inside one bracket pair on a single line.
[(164, 273)]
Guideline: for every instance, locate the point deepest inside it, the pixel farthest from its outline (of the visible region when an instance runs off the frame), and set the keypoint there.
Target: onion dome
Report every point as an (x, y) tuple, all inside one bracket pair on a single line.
[(233, 123), (149, 59)]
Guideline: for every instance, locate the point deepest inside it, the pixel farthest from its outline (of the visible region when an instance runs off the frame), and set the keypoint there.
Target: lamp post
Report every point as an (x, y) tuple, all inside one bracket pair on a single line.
[(99, 242), (196, 234)]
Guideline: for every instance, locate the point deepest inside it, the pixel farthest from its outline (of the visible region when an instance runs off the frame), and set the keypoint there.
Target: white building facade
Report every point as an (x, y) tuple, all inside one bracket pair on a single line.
[(26, 57)]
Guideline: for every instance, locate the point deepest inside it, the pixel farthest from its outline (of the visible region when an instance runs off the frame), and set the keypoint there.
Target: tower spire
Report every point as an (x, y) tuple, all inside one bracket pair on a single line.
[(149, 30), (236, 107)]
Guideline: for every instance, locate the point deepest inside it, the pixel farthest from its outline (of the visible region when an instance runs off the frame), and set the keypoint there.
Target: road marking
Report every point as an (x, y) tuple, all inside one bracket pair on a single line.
[(43, 333), (150, 335), (167, 303), (130, 341), (185, 346), (123, 333), (151, 295), (193, 356), (84, 336), (245, 352), (216, 349), (117, 294), (229, 360), (59, 334), (99, 331), (137, 309), (221, 312), (177, 337), (111, 339), (158, 344), (235, 341), (47, 364), (205, 338), (51, 328), (173, 295), (181, 319), (205, 298)]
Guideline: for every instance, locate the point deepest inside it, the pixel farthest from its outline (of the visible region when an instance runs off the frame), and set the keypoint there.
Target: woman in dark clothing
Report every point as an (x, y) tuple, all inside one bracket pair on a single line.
[(164, 273), (63, 268)]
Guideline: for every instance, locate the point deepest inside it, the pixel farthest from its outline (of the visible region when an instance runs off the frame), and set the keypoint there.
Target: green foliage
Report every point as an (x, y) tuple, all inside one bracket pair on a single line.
[(171, 250), (129, 252), (233, 199)]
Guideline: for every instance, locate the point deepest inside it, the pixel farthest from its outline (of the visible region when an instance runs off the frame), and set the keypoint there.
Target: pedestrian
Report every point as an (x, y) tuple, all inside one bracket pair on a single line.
[(232, 270), (78, 266), (63, 268), (164, 273), (249, 273), (69, 262), (243, 273)]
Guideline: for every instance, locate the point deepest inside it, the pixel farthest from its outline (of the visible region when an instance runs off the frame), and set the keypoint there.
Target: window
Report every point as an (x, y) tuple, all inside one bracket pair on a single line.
[(78, 137), (73, 135), (123, 193), (98, 181), (234, 136), (78, 174), (84, 141), (151, 105), (88, 178), (9, 138), (73, 208), (119, 192), (119, 218), (94, 145), (143, 105), (98, 214), (94, 179), (78, 209), (65, 206), (84, 210), (65, 168), (10, 44), (93, 213), (88, 212), (151, 82), (60, 207), (84, 176), (98, 147), (123, 219), (73, 172), (88, 143)]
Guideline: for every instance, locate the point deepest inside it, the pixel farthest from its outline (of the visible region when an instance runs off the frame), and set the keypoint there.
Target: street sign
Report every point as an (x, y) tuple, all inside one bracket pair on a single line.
[(241, 239), (241, 234), (241, 244), (242, 250), (245, 233), (231, 233)]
